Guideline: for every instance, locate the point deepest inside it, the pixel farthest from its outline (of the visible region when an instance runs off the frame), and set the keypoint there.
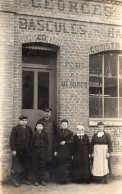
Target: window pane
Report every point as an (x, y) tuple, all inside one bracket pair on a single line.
[(95, 107), (43, 90), (95, 86), (120, 107), (110, 86), (110, 107), (27, 89), (95, 65), (110, 65)]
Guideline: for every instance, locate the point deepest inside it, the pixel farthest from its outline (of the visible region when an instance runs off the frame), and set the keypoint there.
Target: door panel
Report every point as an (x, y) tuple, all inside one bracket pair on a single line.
[(37, 92)]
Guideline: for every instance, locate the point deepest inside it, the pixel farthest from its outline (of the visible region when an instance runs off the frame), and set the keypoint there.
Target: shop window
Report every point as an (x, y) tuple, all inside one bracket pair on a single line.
[(105, 85)]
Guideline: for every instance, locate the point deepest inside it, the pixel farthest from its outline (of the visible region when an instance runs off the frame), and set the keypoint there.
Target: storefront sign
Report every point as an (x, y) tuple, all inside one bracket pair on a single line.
[(51, 26), (74, 84), (105, 47), (75, 7)]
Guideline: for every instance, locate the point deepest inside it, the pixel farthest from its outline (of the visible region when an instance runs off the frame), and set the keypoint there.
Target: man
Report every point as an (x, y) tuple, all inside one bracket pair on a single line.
[(51, 132), (20, 140)]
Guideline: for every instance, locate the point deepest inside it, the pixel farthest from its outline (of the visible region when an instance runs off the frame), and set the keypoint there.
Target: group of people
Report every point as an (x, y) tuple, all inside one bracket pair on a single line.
[(67, 156)]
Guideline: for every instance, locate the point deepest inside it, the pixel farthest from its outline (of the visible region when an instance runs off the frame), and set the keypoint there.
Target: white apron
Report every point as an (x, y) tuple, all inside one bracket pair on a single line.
[(100, 161)]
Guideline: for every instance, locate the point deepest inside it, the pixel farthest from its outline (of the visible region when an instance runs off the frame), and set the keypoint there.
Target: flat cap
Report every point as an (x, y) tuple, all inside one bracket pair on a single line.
[(100, 123), (23, 117), (64, 120), (47, 109)]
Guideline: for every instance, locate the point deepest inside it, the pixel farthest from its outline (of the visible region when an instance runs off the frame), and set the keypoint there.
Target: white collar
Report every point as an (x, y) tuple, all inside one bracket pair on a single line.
[(100, 134)]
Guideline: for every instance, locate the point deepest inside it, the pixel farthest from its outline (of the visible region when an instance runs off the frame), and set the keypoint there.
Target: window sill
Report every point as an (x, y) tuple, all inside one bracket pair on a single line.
[(110, 122)]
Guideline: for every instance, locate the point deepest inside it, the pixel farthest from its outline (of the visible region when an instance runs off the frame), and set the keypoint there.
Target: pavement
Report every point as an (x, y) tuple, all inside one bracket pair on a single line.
[(113, 187)]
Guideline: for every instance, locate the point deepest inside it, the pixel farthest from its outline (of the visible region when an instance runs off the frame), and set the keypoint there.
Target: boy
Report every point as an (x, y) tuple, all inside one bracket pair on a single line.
[(39, 146), (20, 140)]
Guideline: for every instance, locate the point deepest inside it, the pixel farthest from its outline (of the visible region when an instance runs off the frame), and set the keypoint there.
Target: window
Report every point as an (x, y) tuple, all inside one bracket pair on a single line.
[(105, 85)]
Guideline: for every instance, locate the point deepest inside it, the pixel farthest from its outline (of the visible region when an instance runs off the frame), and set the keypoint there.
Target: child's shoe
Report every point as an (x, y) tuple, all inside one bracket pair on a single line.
[(36, 183)]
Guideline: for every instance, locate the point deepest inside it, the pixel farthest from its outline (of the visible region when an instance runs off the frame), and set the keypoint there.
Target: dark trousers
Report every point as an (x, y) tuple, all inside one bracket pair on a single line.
[(38, 165), (21, 165)]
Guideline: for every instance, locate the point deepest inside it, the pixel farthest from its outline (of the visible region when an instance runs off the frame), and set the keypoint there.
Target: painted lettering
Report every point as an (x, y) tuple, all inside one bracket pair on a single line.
[(48, 4), (97, 10), (41, 37), (49, 26), (31, 25), (110, 32), (34, 4), (85, 8), (108, 10), (22, 23), (73, 6), (40, 25), (61, 5)]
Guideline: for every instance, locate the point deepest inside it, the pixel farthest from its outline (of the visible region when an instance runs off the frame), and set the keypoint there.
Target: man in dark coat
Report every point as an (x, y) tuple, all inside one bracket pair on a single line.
[(50, 129), (20, 140)]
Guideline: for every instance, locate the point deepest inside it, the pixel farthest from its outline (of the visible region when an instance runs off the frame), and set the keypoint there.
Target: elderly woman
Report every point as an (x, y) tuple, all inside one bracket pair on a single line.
[(63, 152), (101, 147), (81, 156)]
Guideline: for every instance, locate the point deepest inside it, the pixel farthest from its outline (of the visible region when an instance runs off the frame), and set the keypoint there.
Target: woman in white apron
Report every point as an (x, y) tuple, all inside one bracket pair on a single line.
[(101, 147)]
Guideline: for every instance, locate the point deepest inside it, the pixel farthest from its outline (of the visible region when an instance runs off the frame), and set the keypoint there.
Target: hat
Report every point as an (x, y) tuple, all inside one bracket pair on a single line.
[(47, 109), (23, 117), (80, 127), (40, 123), (100, 123), (64, 120)]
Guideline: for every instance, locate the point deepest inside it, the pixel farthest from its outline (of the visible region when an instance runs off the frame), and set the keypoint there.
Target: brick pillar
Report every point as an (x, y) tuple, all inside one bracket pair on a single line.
[(6, 88)]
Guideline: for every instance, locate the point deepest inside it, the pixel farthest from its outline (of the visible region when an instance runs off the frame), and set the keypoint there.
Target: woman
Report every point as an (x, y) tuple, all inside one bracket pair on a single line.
[(101, 148), (81, 156), (63, 152)]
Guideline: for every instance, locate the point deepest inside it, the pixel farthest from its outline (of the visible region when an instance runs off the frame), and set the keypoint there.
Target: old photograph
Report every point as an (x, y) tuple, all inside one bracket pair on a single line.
[(61, 96)]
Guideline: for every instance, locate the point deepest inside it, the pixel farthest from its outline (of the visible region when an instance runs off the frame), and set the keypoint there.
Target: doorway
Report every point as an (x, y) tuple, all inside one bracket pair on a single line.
[(38, 83)]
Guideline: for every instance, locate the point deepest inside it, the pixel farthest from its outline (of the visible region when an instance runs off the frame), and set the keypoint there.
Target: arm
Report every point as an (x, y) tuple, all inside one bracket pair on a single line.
[(13, 140), (109, 144)]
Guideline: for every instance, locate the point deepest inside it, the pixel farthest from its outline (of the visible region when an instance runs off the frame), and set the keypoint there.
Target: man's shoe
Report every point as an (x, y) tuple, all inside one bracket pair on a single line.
[(15, 183), (26, 182), (43, 183)]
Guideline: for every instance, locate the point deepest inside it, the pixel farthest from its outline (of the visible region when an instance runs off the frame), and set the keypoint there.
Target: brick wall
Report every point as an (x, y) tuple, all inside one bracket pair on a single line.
[(79, 29)]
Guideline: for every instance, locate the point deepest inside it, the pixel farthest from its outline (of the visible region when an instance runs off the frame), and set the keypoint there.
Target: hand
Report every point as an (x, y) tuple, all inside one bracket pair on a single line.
[(107, 155), (55, 154), (62, 143), (14, 153), (72, 157), (92, 155), (89, 155)]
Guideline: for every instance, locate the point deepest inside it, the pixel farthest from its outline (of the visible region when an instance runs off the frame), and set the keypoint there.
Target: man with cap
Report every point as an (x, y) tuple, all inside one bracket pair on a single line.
[(20, 140), (50, 129)]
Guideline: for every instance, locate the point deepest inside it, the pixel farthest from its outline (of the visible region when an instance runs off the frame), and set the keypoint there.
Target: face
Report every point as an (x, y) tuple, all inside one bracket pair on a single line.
[(39, 127), (101, 128), (23, 122), (64, 125), (47, 114), (80, 131)]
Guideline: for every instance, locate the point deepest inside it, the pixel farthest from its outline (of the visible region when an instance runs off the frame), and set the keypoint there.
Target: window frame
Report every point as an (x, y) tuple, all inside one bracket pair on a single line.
[(117, 121)]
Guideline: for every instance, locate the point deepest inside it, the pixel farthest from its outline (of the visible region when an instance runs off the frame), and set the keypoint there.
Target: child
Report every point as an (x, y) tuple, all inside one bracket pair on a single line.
[(81, 156), (39, 145), (63, 149), (101, 147)]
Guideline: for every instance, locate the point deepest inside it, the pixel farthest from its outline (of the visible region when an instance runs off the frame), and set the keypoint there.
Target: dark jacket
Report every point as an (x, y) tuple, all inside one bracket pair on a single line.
[(20, 138), (39, 141)]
